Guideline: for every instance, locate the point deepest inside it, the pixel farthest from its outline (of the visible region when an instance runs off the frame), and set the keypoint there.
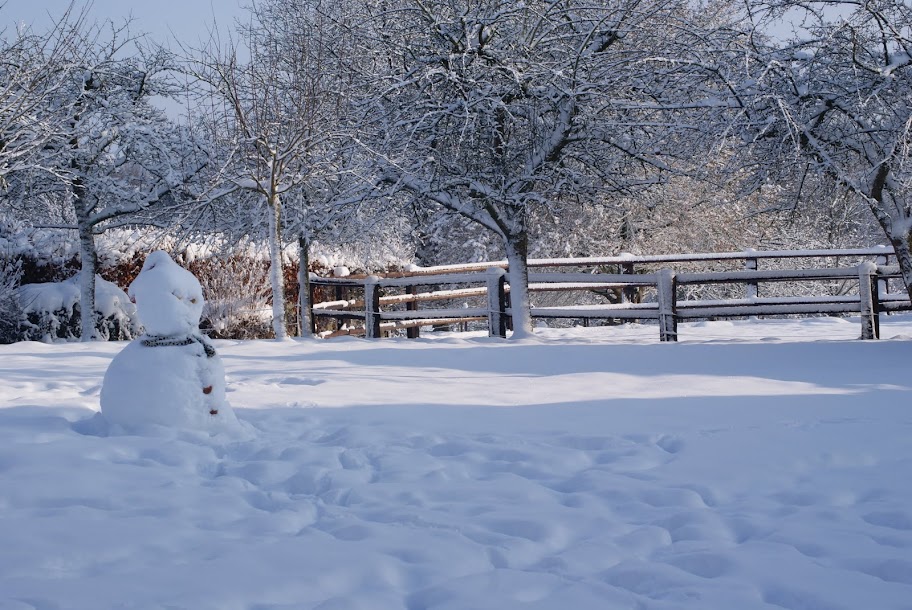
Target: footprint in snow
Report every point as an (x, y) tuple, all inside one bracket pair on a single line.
[(295, 381), (892, 519)]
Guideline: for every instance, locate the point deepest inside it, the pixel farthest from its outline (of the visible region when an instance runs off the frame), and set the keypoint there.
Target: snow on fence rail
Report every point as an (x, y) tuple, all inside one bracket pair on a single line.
[(377, 311)]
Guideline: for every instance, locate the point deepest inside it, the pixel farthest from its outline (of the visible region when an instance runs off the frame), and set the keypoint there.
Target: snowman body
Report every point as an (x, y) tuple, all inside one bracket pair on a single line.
[(171, 375)]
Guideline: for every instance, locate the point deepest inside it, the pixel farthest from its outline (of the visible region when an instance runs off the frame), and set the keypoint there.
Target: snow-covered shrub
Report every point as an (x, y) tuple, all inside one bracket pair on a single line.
[(236, 289), (51, 311), (10, 312)]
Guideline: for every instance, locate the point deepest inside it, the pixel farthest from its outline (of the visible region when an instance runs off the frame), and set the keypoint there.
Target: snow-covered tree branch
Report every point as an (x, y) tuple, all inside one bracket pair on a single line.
[(109, 153), (835, 100), (272, 100), (493, 109)]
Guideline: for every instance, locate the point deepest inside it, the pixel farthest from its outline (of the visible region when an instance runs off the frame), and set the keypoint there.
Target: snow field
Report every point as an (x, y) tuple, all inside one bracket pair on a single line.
[(580, 469)]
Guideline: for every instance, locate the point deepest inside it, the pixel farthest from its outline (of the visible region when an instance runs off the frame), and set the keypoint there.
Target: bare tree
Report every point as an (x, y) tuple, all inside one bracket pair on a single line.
[(112, 155), (833, 101), (493, 109), (33, 71), (272, 100)]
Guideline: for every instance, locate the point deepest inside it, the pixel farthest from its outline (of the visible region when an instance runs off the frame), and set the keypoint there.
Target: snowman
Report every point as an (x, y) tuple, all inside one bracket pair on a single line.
[(170, 376)]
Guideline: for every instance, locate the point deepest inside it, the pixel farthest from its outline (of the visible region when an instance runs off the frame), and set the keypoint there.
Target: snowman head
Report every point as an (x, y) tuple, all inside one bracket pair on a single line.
[(169, 299)]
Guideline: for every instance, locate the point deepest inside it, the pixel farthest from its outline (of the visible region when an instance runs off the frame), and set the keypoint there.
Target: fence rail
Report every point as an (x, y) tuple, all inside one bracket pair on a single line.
[(378, 301)]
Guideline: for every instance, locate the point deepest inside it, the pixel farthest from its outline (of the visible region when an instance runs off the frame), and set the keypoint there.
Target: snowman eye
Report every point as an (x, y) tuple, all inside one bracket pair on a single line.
[(193, 300)]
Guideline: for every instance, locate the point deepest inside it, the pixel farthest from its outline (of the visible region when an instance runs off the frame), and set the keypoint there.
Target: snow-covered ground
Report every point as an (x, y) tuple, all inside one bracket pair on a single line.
[(752, 465)]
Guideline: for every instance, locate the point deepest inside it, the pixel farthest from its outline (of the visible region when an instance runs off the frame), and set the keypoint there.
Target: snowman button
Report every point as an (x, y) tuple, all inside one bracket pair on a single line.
[(207, 389)]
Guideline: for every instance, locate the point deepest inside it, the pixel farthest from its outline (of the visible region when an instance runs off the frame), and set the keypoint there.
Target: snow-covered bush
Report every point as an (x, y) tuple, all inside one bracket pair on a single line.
[(51, 312), (10, 312), (236, 289)]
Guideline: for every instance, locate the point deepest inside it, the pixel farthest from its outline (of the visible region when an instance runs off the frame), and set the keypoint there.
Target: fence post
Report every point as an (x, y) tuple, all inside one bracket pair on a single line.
[(413, 332), (870, 303), (668, 309), (628, 293), (497, 302), (339, 295), (312, 293), (372, 307), (883, 284), (750, 264)]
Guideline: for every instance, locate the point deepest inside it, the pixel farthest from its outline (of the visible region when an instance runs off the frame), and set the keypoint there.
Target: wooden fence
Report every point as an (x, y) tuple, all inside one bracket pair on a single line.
[(380, 305)]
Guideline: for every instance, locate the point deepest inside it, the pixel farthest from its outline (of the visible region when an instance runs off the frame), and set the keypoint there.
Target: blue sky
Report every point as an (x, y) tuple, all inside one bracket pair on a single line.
[(187, 19)]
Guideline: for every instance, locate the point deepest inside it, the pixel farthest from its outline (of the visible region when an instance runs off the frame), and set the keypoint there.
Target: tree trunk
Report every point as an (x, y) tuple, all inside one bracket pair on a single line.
[(517, 254), (904, 258), (88, 259), (276, 277), (305, 315)]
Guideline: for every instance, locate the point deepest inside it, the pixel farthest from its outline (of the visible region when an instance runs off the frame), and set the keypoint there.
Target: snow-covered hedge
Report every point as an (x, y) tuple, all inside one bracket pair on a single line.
[(236, 290), (10, 312), (50, 311)]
